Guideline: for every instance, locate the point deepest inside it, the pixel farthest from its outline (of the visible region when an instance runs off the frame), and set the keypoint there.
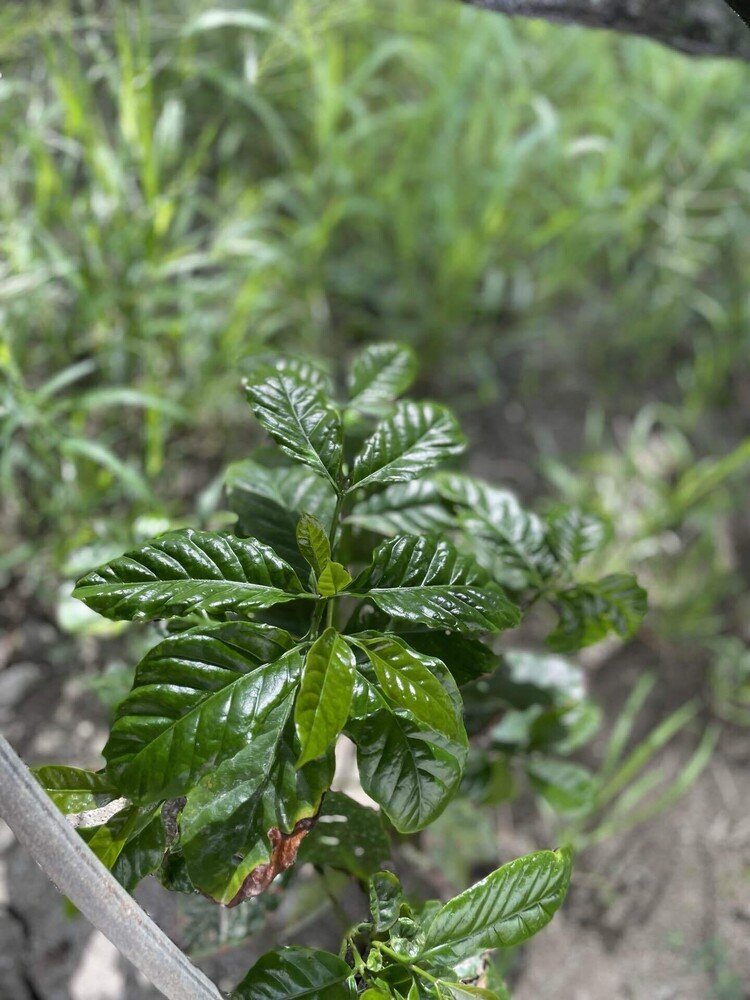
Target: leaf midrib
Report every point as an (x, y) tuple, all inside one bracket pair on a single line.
[(303, 430), (405, 455)]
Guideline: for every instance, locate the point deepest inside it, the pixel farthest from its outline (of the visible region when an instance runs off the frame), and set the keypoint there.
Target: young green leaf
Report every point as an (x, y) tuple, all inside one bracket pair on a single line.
[(198, 698), (407, 444), (325, 694), (108, 841), (590, 611), (333, 579), (347, 836), (426, 581), (74, 790), (407, 937), (297, 973), (313, 543), (379, 375), (243, 823), (386, 899), (302, 421), (410, 771), (186, 571), (269, 499), (407, 680), (502, 910), (142, 853), (460, 991)]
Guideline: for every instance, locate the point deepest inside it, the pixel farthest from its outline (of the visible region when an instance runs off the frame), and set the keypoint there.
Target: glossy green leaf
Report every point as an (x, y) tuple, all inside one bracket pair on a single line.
[(312, 541), (109, 840), (410, 771), (367, 698), (466, 658), (407, 937), (379, 375), (417, 437), (244, 821), (347, 836), (408, 680), (142, 854), (258, 368), (568, 787), (460, 991), (413, 508), (198, 698), (325, 694), (269, 499), (573, 534), (302, 421), (297, 973), (74, 790), (186, 571), (333, 579), (386, 900), (502, 910), (507, 539), (591, 611), (425, 580)]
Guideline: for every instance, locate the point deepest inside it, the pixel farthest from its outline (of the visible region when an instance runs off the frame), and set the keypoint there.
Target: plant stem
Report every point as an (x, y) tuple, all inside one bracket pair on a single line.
[(316, 619), (335, 522), (414, 968)]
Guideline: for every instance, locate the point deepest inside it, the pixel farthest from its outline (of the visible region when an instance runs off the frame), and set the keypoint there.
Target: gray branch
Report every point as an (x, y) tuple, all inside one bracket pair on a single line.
[(76, 871), (703, 27)]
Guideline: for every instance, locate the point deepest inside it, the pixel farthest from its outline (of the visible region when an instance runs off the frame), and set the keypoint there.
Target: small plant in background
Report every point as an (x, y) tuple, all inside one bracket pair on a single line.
[(674, 513), (299, 625)]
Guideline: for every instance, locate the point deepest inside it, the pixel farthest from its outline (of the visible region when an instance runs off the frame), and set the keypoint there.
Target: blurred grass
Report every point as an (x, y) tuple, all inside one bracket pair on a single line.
[(537, 209)]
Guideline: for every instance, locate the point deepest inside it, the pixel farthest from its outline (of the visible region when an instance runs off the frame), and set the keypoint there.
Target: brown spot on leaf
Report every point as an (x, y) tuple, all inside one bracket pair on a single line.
[(284, 847)]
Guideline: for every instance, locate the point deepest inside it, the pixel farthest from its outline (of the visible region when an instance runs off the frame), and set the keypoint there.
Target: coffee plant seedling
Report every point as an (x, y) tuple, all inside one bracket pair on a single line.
[(290, 630)]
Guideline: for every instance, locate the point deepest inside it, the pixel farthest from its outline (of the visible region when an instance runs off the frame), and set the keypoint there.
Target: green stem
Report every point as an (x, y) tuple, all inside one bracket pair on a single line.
[(414, 968), (359, 966), (335, 522), (329, 604), (316, 619)]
